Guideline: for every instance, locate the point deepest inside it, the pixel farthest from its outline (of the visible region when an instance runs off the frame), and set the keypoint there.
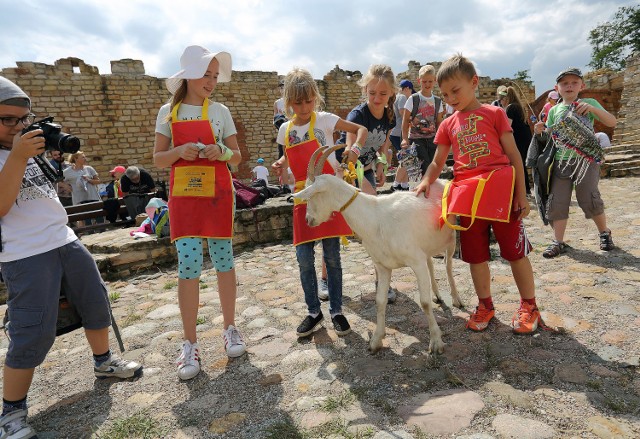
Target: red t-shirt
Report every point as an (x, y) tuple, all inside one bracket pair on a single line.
[(475, 138)]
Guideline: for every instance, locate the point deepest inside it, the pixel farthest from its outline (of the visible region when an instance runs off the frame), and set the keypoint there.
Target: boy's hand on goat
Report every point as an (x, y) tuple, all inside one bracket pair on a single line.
[(423, 186)]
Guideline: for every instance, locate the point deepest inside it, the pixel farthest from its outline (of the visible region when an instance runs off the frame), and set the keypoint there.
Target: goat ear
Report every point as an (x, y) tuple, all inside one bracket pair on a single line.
[(304, 194)]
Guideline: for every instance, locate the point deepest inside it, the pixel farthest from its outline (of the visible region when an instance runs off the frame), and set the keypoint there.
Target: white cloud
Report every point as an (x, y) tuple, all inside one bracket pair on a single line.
[(500, 36)]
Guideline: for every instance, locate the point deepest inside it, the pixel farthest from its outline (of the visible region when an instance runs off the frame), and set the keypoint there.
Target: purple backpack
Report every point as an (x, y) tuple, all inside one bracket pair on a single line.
[(246, 196)]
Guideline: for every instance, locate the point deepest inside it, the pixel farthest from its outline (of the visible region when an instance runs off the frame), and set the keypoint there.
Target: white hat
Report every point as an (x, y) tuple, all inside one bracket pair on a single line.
[(194, 62)]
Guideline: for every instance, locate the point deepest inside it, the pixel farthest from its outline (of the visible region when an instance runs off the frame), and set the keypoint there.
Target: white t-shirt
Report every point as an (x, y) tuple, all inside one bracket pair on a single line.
[(36, 222), (279, 105), (219, 116), (603, 139), (81, 189), (423, 125), (398, 110), (262, 173), (323, 129)]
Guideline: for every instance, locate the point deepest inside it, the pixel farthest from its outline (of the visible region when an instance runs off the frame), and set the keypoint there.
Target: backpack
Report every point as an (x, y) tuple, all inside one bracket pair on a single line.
[(160, 222), (416, 103), (246, 196)]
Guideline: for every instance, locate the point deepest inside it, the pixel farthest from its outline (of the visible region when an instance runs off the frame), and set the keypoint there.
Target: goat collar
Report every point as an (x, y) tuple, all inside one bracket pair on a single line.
[(348, 203)]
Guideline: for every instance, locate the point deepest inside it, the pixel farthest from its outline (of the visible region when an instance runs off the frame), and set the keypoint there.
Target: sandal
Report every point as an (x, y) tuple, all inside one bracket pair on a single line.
[(556, 248)]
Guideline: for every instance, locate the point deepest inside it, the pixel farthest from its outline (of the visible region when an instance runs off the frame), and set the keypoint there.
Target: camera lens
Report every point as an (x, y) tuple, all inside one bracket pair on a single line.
[(68, 144)]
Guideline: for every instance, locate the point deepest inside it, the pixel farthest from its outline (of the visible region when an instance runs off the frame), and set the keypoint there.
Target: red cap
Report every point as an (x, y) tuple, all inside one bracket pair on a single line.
[(118, 169)]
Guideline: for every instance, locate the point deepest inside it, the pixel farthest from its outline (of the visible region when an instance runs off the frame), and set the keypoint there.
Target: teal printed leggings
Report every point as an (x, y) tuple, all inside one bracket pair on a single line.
[(190, 256)]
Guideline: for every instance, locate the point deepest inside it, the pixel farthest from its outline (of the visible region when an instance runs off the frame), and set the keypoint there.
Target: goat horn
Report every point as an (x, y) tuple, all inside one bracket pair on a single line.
[(323, 158), (310, 174)]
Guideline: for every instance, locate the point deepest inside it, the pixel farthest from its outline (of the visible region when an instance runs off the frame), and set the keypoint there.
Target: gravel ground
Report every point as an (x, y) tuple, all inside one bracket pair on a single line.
[(577, 378)]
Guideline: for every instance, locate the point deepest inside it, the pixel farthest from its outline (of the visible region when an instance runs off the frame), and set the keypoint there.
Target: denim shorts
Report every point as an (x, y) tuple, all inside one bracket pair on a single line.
[(34, 286)]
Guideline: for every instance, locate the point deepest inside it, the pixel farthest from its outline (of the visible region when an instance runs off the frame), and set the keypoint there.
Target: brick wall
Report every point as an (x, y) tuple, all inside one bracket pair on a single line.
[(114, 114)]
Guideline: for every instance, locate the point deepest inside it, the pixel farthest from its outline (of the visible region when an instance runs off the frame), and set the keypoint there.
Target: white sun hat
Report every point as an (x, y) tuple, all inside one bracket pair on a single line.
[(194, 62)]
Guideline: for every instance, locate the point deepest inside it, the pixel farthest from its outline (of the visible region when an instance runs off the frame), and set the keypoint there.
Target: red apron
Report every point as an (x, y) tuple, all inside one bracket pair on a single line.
[(298, 156), (465, 197), (201, 199)]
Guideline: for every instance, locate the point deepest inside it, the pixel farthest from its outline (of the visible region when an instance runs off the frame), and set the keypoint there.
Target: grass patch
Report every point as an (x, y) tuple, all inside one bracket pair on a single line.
[(131, 318), (170, 285), (594, 384), (284, 430), (342, 401), (339, 427), (139, 425), (113, 296), (200, 320)]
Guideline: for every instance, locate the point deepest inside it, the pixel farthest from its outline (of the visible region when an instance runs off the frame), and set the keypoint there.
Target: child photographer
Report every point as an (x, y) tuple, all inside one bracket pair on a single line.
[(39, 254)]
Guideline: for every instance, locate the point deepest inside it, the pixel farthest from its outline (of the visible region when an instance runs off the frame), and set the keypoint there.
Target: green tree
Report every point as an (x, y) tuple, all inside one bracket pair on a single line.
[(523, 76), (613, 41)]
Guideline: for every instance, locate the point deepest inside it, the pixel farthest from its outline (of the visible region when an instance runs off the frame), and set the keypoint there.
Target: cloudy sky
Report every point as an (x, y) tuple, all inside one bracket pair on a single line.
[(500, 36)]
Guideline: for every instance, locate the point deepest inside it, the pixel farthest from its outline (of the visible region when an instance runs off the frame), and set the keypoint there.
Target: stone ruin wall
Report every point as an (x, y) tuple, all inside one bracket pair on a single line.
[(628, 128), (114, 114)]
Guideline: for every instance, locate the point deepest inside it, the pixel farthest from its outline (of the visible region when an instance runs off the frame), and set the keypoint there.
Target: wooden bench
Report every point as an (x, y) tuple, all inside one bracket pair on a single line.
[(78, 213)]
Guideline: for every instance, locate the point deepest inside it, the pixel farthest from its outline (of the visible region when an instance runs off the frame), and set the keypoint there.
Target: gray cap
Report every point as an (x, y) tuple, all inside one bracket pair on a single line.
[(11, 94), (569, 71)]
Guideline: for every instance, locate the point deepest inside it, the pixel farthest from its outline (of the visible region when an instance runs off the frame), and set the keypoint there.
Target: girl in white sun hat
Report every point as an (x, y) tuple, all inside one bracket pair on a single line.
[(196, 137)]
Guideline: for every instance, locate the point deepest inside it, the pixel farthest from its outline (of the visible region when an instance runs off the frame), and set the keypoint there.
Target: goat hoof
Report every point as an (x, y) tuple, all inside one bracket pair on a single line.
[(374, 347), (436, 347)]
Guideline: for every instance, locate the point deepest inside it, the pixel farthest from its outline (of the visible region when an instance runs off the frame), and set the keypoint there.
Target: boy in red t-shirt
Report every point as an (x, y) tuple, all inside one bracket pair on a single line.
[(482, 141)]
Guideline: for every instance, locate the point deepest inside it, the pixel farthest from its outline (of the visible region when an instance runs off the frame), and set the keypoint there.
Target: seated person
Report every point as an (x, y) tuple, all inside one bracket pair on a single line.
[(114, 191), (136, 185)]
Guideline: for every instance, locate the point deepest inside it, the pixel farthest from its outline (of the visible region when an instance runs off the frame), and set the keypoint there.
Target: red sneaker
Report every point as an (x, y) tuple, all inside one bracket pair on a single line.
[(526, 319), (479, 320)]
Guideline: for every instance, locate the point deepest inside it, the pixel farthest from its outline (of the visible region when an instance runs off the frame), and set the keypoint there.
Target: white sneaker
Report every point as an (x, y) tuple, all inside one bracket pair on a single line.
[(14, 426), (323, 294), (233, 342), (189, 360), (117, 367)]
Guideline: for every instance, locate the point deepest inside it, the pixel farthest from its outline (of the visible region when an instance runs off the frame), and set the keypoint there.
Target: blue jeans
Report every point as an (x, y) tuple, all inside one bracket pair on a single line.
[(306, 260)]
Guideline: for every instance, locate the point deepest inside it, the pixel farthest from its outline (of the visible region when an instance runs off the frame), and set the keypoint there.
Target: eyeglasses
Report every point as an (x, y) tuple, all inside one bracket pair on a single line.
[(13, 121)]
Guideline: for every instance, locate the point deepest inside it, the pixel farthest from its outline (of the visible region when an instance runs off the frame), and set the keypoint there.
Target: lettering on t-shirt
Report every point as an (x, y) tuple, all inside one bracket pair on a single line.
[(35, 185), (470, 142)]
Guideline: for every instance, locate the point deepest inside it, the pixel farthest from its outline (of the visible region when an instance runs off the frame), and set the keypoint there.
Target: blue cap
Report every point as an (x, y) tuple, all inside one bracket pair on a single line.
[(406, 83), (260, 160)]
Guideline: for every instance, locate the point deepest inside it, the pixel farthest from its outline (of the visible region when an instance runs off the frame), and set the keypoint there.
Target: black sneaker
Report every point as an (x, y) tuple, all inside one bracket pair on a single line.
[(340, 324), (606, 242), (309, 324)]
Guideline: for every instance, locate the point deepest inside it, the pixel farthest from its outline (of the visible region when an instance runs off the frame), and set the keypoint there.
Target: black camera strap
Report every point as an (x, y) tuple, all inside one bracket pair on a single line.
[(53, 175)]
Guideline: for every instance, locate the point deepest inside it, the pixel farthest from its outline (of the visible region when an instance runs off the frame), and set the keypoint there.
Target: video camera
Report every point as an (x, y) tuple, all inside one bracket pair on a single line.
[(54, 138)]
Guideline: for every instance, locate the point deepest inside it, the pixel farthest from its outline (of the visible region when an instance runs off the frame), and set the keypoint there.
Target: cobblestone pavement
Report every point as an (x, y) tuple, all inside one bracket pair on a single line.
[(578, 379)]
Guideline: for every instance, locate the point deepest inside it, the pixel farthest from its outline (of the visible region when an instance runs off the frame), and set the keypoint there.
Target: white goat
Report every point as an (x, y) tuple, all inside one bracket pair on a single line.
[(397, 230)]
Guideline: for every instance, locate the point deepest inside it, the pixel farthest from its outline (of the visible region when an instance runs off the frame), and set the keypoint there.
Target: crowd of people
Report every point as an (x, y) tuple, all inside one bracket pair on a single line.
[(196, 138)]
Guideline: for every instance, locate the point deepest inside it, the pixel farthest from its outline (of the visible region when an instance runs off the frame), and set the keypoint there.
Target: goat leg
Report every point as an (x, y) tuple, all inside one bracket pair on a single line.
[(434, 284), (435, 335), (448, 258), (384, 280)]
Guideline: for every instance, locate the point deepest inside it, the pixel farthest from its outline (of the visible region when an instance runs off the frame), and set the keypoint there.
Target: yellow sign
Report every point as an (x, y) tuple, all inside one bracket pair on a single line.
[(193, 181)]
